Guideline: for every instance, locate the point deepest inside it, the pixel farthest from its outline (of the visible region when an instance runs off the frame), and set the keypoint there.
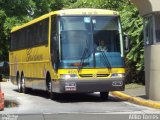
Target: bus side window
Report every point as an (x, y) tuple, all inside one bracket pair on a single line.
[(42, 32)]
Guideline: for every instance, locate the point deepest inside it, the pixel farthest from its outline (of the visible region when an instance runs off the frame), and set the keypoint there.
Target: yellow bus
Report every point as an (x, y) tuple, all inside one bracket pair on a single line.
[(69, 51)]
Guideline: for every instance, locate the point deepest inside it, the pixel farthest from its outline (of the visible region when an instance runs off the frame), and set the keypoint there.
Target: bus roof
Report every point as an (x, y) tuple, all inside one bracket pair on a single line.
[(78, 11)]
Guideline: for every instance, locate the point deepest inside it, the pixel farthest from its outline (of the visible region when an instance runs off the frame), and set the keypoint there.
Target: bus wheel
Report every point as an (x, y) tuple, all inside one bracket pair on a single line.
[(49, 85), (24, 89), (51, 93), (104, 95), (19, 83)]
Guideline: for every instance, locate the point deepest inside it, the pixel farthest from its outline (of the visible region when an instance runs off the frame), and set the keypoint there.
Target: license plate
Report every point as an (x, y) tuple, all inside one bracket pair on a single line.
[(71, 86)]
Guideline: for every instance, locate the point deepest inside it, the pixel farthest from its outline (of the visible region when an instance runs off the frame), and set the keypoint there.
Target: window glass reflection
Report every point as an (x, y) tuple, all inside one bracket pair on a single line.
[(157, 27), (148, 30)]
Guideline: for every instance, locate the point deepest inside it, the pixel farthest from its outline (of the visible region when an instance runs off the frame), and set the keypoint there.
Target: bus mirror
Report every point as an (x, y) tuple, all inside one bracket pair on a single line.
[(127, 43)]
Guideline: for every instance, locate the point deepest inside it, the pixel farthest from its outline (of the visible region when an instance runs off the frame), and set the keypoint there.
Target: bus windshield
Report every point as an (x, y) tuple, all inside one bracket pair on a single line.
[(88, 40)]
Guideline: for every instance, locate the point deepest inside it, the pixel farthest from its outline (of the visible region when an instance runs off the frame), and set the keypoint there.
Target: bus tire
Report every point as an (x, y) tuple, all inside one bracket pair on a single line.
[(19, 83), (49, 85), (104, 95), (51, 92), (24, 89)]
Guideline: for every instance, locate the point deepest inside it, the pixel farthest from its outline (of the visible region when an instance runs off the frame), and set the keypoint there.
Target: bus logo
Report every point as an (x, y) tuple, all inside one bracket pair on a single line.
[(117, 83)]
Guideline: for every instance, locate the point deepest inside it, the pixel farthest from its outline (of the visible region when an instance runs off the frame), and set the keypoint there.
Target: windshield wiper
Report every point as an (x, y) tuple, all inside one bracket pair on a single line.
[(82, 59), (106, 61)]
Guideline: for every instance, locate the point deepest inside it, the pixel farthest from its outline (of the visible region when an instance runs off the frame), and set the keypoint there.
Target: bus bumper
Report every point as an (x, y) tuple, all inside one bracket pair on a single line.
[(81, 86)]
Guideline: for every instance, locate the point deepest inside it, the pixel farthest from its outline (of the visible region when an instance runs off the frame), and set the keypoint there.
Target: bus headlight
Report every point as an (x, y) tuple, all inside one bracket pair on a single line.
[(68, 76), (118, 75)]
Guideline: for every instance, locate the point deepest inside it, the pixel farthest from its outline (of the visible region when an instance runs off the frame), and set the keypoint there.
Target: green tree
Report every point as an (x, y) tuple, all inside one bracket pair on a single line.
[(45, 6), (103, 4), (12, 13), (17, 12), (2, 36), (132, 25)]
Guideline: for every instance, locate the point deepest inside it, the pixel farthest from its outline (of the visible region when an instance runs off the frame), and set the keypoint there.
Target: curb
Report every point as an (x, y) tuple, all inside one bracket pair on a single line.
[(136, 100)]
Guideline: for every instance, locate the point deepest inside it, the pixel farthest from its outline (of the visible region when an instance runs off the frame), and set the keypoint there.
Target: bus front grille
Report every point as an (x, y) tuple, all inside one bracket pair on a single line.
[(94, 75)]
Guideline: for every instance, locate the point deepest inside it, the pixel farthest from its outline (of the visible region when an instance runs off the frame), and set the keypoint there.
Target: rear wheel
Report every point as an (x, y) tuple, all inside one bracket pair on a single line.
[(24, 89), (104, 95), (19, 83)]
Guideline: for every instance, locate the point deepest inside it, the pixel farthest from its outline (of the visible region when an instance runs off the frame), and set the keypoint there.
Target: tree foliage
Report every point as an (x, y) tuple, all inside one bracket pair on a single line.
[(102, 4), (45, 6), (132, 25), (16, 12)]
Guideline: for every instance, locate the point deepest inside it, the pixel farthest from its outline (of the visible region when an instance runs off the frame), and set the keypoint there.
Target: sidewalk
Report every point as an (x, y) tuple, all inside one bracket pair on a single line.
[(136, 92), (137, 96)]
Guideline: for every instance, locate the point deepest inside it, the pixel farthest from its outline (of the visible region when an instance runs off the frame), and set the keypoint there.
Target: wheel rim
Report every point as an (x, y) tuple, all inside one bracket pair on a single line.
[(49, 86), (19, 83), (48, 83), (23, 85)]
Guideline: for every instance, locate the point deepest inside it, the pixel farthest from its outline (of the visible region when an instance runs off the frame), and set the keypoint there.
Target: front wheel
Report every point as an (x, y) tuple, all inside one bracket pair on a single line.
[(49, 86), (50, 92), (104, 95)]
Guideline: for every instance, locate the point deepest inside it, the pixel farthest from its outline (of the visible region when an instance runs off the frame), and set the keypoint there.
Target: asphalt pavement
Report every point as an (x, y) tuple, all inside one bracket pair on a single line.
[(87, 107)]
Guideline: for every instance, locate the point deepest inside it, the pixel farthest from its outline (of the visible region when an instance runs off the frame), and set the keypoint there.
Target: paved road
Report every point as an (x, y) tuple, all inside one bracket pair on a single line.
[(38, 103)]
